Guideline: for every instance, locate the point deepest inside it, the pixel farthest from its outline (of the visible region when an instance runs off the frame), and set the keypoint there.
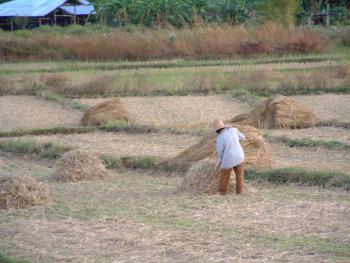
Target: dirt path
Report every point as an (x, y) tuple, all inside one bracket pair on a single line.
[(25, 112), (328, 106), (179, 110)]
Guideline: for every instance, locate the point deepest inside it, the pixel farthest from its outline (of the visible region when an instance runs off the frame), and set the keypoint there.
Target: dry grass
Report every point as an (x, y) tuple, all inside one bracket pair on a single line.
[(123, 144), (328, 106), (138, 216), (315, 159), (21, 191), (315, 133), (178, 111), (75, 166), (24, 112), (279, 112), (110, 111), (55, 82), (204, 42)]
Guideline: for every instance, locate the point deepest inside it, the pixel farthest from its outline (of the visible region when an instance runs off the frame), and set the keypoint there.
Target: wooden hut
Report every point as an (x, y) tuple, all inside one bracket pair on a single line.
[(20, 14)]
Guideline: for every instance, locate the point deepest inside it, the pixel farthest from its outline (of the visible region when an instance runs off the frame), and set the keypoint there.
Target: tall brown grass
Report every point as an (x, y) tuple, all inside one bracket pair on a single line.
[(203, 42)]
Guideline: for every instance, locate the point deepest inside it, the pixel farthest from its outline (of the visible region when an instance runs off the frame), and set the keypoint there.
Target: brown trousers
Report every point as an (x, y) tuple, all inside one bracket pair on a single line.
[(225, 178)]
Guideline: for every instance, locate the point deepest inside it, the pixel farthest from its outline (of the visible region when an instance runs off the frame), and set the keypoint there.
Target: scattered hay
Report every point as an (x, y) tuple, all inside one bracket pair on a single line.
[(278, 112), (106, 112), (204, 177), (21, 191), (80, 165), (256, 152)]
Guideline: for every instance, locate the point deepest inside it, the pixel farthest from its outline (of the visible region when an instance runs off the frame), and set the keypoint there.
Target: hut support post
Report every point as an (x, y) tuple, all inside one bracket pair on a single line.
[(11, 23), (328, 7), (54, 18)]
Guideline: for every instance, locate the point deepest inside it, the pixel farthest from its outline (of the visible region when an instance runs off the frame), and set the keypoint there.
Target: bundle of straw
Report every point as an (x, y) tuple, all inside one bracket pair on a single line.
[(80, 165), (203, 177), (278, 112), (106, 112), (21, 191)]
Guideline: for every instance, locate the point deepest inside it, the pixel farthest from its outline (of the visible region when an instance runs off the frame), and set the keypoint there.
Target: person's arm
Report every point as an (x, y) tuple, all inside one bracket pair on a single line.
[(241, 136), (220, 149)]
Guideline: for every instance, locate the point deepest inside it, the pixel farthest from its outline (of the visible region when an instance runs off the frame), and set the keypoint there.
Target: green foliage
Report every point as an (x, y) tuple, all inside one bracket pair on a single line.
[(306, 142), (45, 150), (300, 176), (138, 162), (236, 11), (281, 11), (160, 13), (6, 259)]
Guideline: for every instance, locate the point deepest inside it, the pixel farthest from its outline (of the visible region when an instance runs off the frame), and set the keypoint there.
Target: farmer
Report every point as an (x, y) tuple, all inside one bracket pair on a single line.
[(230, 154)]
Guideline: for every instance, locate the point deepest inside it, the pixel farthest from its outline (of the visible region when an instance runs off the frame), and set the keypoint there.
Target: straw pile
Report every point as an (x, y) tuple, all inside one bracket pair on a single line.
[(278, 112), (80, 165), (22, 191), (106, 112), (255, 150), (203, 177)]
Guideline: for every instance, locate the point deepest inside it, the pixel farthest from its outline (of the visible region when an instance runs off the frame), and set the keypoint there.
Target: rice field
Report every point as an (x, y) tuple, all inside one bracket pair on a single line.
[(140, 214)]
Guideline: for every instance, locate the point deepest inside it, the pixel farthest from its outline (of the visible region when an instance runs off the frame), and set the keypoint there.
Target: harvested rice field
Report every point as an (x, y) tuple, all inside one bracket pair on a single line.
[(328, 106), (310, 158), (138, 216), (315, 133), (25, 112), (298, 210), (178, 111), (122, 144)]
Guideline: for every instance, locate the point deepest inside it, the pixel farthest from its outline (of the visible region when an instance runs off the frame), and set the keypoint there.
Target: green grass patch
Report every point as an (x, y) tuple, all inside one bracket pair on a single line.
[(301, 176), (73, 66), (42, 150), (6, 259), (46, 131), (114, 127), (138, 162), (306, 142), (266, 91), (322, 246)]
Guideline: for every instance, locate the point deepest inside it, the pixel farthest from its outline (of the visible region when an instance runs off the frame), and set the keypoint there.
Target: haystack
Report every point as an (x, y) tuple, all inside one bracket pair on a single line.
[(80, 165), (203, 177), (256, 152), (21, 191), (278, 112), (106, 112)]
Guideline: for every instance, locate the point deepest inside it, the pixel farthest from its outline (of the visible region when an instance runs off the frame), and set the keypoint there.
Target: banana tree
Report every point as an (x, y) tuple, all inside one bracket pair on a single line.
[(159, 12), (197, 11), (120, 11), (236, 11)]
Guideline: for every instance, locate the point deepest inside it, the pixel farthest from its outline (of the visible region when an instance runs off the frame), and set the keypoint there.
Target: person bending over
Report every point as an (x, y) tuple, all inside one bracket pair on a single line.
[(230, 155)]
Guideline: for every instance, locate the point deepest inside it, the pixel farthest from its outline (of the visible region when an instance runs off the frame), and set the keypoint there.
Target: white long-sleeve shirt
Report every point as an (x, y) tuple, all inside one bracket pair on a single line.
[(229, 149)]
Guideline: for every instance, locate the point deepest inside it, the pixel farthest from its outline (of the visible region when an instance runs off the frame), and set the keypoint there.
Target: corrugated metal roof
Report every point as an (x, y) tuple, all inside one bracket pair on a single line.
[(79, 9), (29, 7), (84, 2)]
